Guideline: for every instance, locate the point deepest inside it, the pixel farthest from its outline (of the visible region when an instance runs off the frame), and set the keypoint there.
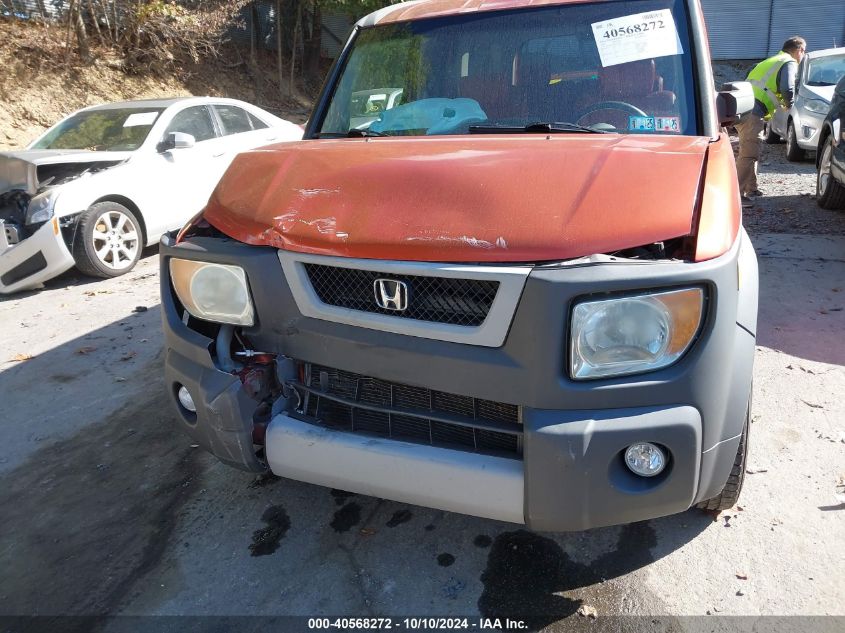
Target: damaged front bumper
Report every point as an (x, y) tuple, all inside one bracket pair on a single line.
[(31, 261), (509, 436)]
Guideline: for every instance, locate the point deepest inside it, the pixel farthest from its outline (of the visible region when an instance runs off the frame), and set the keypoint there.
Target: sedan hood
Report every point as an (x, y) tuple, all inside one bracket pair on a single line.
[(29, 169), (493, 198)]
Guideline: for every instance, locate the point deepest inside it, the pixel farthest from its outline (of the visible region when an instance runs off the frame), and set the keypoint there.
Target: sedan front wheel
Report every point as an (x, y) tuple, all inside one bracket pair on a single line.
[(794, 153), (108, 240), (829, 193)]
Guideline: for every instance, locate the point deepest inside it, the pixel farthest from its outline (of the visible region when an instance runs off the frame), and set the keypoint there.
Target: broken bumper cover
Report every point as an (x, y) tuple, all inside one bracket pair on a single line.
[(570, 474), (35, 259)]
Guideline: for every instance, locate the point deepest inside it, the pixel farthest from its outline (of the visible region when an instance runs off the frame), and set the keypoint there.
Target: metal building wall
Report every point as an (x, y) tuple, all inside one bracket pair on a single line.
[(335, 31), (756, 29), (820, 22), (737, 29), (26, 9)]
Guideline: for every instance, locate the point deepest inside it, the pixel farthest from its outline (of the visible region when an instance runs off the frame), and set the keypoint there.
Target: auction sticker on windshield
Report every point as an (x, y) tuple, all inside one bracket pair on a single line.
[(631, 38)]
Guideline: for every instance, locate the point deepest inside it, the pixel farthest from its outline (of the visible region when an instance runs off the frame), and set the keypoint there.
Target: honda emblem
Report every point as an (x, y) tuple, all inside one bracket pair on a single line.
[(391, 294)]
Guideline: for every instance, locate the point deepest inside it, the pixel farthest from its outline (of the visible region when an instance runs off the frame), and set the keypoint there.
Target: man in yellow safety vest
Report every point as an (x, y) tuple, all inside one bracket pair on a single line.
[(773, 81)]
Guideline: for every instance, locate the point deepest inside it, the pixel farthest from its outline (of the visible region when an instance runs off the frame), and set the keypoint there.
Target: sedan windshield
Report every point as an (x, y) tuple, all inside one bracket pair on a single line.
[(826, 71), (623, 67), (123, 129)]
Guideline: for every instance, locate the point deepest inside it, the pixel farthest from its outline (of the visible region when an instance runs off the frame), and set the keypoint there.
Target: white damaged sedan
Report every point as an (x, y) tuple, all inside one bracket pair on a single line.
[(105, 182)]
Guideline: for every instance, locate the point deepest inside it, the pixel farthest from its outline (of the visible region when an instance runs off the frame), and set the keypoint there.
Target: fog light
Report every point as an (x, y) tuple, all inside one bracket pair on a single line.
[(645, 459), (186, 400)]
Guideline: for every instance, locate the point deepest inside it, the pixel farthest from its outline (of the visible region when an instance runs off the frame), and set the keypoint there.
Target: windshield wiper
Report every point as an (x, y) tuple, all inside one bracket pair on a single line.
[(355, 133), (555, 127)]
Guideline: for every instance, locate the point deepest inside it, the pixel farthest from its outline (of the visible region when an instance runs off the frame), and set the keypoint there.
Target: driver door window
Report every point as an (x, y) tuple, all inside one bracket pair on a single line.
[(195, 121)]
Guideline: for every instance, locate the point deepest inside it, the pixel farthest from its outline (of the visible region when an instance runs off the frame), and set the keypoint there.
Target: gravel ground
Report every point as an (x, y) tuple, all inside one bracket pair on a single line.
[(789, 205)]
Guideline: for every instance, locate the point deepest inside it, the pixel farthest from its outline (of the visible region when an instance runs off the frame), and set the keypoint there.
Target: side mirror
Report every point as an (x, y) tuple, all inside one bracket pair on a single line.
[(734, 100), (177, 140)]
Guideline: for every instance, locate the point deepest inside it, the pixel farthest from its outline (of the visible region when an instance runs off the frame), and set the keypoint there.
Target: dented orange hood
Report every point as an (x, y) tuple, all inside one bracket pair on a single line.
[(514, 198)]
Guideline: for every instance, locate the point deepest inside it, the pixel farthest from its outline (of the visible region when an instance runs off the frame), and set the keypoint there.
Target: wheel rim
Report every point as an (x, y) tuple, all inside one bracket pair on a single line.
[(824, 171), (115, 239)]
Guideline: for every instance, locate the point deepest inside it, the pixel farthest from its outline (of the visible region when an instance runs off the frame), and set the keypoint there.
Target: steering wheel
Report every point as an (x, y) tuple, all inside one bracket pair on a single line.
[(621, 106)]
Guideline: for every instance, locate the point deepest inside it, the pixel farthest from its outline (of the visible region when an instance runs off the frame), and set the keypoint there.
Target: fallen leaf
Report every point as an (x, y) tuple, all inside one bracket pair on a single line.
[(140, 309), (86, 350), (739, 593), (741, 576), (810, 404), (751, 471), (18, 358), (119, 379), (587, 611), (129, 355), (367, 531)]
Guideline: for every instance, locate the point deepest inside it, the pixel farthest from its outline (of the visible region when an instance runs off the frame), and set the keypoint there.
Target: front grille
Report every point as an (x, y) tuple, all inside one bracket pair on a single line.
[(339, 399), (463, 302)]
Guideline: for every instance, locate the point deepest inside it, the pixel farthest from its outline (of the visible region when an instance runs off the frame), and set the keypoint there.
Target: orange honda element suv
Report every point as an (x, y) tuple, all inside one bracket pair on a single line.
[(503, 273)]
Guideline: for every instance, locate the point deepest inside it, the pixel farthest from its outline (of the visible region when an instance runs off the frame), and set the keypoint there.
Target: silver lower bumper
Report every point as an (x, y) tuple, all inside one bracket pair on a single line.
[(46, 241), (467, 483)]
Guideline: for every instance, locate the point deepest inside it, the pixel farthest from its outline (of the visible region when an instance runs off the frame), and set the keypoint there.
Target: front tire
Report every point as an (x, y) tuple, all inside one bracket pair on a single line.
[(830, 194), (108, 240), (733, 486), (794, 153)]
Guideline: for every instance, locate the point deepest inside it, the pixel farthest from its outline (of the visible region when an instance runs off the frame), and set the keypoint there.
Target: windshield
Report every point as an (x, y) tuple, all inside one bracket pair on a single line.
[(123, 129), (826, 71), (621, 67)]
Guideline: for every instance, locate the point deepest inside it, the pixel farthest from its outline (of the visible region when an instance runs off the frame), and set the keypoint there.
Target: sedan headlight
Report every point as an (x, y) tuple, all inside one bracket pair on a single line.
[(213, 292), (40, 207), (634, 334), (817, 105)]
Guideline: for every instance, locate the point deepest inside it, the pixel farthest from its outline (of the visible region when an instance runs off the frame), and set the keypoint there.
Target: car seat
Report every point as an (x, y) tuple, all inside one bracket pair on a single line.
[(492, 92), (634, 83)]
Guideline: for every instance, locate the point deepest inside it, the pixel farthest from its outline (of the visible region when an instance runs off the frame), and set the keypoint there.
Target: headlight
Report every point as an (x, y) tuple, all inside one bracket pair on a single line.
[(40, 208), (630, 335), (817, 105), (213, 292)]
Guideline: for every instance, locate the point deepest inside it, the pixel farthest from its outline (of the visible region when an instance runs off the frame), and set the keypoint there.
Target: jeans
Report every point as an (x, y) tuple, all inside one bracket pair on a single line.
[(749, 129)]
